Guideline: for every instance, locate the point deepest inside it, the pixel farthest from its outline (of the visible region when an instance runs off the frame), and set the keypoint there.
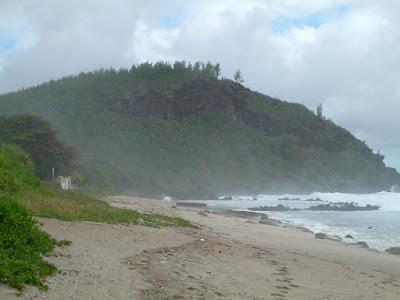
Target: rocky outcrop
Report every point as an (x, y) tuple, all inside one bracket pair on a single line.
[(343, 206), (204, 95), (393, 250), (279, 207), (323, 236), (267, 221), (362, 245), (320, 236)]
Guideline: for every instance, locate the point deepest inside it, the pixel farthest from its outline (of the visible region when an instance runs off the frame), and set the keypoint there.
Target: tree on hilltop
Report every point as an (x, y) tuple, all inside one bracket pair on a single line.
[(237, 77)]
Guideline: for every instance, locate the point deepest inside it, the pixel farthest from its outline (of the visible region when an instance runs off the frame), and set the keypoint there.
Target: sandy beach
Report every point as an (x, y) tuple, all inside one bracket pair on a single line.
[(228, 257)]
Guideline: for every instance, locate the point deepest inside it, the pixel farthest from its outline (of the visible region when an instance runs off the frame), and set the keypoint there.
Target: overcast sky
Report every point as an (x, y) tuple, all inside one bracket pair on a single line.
[(343, 54)]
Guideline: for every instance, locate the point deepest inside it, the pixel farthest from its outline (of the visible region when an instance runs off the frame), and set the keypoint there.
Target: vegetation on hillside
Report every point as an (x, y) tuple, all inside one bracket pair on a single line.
[(264, 145)]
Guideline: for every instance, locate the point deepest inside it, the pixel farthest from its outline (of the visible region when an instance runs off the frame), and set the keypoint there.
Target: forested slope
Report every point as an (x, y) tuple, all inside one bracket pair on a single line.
[(181, 130)]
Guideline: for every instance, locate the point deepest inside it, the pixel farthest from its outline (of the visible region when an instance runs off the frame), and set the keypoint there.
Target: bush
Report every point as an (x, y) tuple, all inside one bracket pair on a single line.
[(16, 170), (22, 244)]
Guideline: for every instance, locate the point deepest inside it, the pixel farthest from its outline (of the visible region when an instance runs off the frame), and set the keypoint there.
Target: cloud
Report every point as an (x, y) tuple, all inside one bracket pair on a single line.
[(343, 54)]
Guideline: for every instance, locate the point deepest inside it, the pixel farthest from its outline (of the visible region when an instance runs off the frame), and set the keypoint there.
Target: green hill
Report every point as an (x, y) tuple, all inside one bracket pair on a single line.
[(180, 130)]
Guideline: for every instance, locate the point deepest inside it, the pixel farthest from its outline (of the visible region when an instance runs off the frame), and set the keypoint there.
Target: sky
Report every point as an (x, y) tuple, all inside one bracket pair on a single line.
[(342, 54)]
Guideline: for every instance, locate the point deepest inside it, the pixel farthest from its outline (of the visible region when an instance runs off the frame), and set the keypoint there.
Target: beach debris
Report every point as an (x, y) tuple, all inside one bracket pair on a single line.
[(348, 236), (393, 250), (157, 281), (343, 206)]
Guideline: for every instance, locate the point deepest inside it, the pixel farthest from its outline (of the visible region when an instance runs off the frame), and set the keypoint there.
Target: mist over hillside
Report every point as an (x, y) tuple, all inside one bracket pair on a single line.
[(181, 130)]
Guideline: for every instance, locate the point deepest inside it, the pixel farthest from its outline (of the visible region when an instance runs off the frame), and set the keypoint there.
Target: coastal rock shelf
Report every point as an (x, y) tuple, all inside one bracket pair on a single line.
[(336, 206), (343, 206)]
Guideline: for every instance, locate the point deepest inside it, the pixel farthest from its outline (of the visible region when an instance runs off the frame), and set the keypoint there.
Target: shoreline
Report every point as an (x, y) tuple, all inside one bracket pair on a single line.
[(334, 233), (266, 220), (227, 257)]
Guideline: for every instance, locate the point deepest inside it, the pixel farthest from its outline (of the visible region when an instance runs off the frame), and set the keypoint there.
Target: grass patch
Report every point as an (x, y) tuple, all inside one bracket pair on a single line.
[(62, 243), (78, 206), (22, 243)]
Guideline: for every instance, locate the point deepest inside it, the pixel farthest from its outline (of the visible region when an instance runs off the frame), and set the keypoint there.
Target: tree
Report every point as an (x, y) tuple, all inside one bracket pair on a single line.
[(38, 138), (217, 70), (319, 111), (237, 77)]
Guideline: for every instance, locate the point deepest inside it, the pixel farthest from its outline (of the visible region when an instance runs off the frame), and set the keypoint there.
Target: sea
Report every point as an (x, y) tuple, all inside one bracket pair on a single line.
[(380, 228)]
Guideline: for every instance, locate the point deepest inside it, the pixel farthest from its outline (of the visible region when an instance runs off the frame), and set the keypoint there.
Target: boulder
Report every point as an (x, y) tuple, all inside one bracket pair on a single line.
[(393, 250), (321, 236), (362, 245), (266, 221), (348, 236)]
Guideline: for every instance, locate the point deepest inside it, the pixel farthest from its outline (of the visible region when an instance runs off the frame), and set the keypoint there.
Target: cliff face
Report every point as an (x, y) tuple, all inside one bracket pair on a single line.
[(238, 104), (172, 131)]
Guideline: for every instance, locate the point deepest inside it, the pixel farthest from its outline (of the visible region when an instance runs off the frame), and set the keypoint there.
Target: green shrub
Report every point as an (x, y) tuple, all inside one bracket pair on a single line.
[(16, 170), (22, 244)]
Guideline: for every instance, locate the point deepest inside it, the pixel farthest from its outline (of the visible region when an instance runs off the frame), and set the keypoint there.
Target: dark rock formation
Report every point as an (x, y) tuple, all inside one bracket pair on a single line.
[(343, 206), (279, 207), (267, 221), (348, 236), (362, 245), (321, 236), (393, 250)]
